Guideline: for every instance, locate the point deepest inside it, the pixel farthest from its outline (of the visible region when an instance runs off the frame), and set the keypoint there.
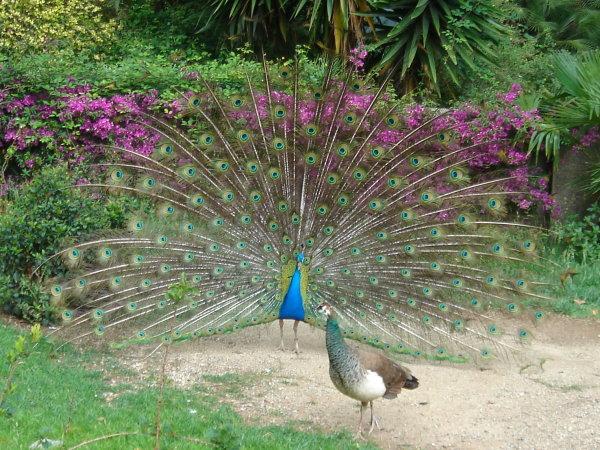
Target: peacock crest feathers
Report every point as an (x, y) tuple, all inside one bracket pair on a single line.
[(399, 234)]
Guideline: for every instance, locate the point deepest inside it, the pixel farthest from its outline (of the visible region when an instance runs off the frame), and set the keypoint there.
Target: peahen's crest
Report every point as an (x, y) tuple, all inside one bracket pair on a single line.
[(376, 204)]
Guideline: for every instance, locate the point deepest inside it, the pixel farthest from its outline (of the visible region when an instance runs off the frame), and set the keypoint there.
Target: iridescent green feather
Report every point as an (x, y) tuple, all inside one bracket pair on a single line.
[(401, 237)]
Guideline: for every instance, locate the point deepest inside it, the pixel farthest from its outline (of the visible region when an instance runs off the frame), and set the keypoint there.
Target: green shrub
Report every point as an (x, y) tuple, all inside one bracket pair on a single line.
[(137, 72), (519, 59), (155, 48), (34, 226), (41, 25), (579, 239), (168, 28), (25, 298)]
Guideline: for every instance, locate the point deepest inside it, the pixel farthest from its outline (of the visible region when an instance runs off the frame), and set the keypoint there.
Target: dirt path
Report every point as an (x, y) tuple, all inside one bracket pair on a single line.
[(551, 405)]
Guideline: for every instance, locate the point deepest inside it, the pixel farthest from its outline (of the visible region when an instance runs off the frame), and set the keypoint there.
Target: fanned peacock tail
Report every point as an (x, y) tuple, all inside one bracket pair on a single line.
[(399, 235)]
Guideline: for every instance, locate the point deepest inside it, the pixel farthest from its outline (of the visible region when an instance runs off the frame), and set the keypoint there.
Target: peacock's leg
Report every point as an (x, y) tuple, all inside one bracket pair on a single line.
[(374, 421), (296, 336), (282, 348), (363, 405)]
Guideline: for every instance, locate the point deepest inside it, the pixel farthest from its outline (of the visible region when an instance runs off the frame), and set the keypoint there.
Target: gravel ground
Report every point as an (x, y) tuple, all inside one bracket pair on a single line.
[(552, 404)]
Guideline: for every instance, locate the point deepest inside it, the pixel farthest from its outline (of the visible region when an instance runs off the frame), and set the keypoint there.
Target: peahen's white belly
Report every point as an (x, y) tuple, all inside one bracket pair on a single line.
[(369, 387)]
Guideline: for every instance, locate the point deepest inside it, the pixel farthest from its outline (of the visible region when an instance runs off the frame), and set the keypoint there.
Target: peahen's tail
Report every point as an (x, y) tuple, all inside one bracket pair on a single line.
[(400, 236)]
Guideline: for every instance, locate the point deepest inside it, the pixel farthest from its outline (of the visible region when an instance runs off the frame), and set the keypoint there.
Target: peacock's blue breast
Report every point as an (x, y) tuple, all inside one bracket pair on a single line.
[(292, 306)]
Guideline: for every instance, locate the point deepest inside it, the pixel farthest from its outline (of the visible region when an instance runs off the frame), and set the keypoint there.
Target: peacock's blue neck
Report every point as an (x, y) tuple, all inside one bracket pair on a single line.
[(293, 306)]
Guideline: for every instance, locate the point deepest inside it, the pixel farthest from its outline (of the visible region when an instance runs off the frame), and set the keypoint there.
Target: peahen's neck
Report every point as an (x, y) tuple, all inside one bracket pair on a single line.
[(334, 341)]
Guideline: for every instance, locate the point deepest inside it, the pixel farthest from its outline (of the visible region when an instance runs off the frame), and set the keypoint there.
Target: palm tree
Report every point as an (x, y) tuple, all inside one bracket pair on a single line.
[(428, 37), (259, 22), (575, 106), (433, 37), (571, 24), (337, 25), (333, 25)]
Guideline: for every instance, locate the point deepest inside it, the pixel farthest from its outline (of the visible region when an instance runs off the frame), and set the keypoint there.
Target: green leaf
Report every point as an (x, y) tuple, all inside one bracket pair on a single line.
[(435, 17), (409, 53), (393, 51), (425, 29)]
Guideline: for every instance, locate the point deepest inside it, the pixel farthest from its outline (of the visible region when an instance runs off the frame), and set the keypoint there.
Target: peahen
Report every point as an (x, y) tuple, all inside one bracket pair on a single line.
[(363, 376), (289, 193)]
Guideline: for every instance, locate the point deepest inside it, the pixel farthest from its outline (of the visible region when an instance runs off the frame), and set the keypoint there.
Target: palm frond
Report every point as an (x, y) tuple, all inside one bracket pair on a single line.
[(427, 36), (577, 105)]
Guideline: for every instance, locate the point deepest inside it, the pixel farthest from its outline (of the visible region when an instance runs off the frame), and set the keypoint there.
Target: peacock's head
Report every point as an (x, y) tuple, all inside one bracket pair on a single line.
[(326, 308)]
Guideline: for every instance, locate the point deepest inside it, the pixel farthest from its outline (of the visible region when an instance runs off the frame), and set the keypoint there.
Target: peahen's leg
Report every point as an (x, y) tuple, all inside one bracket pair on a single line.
[(296, 336), (374, 421), (363, 405), (282, 348)]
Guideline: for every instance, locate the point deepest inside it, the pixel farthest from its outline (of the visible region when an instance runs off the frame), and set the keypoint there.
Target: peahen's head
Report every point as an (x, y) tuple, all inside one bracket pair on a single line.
[(327, 309)]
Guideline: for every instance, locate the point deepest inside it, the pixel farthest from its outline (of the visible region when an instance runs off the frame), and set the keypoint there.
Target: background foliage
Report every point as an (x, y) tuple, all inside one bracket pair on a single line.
[(521, 71), (43, 25), (568, 24), (69, 69), (579, 238), (573, 110), (437, 37), (33, 227)]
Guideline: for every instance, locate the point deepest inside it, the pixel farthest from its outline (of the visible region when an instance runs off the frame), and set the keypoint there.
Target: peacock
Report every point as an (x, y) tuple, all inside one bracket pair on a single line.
[(363, 376), (295, 189)]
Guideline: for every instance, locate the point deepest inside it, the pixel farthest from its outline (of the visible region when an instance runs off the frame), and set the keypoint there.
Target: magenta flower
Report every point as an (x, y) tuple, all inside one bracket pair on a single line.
[(512, 94), (525, 204), (191, 75), (75, 121), (357, 57)]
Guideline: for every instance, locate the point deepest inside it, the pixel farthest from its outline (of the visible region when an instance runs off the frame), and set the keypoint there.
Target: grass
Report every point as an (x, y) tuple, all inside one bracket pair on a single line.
[(581, 294), (58, 398), (233, 383), (578, 296)]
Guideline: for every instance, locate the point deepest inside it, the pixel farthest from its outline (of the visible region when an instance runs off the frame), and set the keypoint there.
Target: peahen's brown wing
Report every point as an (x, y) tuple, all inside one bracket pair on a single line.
[(395, 376)]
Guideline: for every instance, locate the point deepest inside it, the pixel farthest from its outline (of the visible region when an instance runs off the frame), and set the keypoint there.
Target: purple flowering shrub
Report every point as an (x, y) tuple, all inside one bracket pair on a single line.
[(498, 137), (77, 127), (586, 139), (68, 125)]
